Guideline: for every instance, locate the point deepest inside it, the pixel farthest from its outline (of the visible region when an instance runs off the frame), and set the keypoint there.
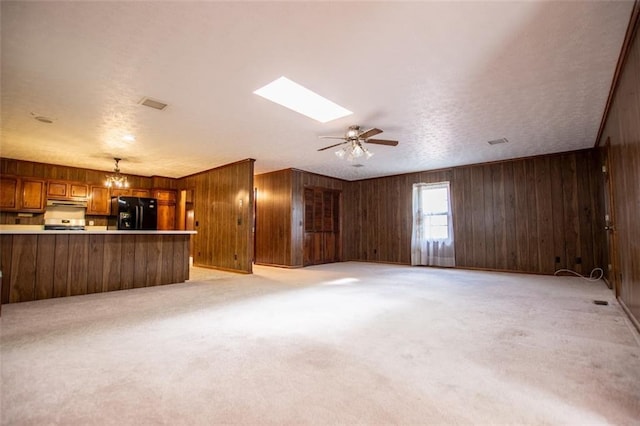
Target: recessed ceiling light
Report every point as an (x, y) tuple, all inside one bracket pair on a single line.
[(302, 100), (129, 138), (498, 141)]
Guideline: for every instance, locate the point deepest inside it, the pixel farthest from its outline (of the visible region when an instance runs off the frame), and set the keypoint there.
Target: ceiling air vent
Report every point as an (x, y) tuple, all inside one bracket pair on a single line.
[(498, 141), (152, 103), (358, 165)]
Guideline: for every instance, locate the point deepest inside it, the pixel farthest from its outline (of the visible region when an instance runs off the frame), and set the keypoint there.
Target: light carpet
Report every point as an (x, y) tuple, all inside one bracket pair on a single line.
[(345, 343)]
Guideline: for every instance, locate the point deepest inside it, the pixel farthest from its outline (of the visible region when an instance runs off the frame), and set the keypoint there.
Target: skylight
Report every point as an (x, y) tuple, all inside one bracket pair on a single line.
[(302, 100)]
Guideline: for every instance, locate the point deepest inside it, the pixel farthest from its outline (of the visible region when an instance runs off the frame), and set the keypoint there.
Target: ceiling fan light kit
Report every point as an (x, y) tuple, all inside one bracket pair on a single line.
[(354, 139)]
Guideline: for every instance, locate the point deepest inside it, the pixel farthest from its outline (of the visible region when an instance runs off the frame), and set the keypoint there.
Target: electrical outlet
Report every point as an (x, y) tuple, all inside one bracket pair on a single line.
[(235, 257), (557, 259), (578, 260)]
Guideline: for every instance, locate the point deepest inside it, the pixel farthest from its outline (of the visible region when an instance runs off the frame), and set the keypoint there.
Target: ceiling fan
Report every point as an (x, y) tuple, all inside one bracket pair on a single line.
[(354, 138)]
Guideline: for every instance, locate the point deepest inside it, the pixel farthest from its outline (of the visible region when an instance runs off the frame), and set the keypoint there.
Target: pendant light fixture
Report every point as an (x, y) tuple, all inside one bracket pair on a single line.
[(116, 180)]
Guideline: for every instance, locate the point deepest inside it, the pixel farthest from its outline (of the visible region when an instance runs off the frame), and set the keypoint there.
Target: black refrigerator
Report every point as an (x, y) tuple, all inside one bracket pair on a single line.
[(131, 213)]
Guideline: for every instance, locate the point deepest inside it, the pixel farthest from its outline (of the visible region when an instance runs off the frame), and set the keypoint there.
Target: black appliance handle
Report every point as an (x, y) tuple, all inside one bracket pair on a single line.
[(141, 215)]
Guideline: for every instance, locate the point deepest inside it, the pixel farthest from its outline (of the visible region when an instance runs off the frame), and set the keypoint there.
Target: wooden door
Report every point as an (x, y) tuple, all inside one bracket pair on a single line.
[(612, 272), (321, 226)]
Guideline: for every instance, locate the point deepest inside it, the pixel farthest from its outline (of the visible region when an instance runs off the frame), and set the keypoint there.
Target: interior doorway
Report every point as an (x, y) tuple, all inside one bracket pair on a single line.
[(612, 271)]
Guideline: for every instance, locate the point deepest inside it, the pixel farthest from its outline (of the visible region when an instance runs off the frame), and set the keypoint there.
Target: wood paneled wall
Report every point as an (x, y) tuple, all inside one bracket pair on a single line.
[(274, 218), (622, 128), (533, 215), (302, 179), (223, 210), (517, 215), (378, 216), (280, 214)]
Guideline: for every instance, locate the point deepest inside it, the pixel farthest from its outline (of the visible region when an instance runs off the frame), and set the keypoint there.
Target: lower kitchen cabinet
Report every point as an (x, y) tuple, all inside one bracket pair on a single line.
[(51, 264)]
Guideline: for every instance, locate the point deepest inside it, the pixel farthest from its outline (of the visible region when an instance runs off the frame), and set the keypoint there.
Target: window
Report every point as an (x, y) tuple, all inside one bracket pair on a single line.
[(432, 235), (435, 210)]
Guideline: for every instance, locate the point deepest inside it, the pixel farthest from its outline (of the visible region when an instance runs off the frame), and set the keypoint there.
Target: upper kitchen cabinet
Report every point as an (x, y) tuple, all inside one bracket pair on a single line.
[(32, 199), (9, 187), (22, 194), (67, 190), (99, 201), (166, 208), (130, 192)]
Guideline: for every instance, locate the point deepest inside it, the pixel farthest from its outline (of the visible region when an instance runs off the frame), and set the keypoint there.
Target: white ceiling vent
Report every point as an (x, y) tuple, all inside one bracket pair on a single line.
[(152, 103), (498, 141), (357, 165)]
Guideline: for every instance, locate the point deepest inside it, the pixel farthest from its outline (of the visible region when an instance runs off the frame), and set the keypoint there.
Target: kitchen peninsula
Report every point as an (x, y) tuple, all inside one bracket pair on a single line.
[(42, 264)]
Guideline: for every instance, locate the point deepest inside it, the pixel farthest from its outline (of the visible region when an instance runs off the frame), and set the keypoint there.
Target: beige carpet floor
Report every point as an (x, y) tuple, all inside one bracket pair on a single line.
[(347, 343)]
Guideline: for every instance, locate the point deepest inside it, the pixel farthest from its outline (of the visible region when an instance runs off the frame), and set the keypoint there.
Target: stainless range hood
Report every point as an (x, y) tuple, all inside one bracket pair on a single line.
[(81, 204)]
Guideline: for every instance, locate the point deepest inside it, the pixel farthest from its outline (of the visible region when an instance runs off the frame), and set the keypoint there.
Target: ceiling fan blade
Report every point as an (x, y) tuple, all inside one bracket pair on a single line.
[(382, 142), (332, 146), (331, 137), (369, 133)]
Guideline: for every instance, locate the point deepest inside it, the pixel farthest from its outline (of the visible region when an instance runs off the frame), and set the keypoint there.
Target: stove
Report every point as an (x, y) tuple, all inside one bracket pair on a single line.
[(53, 224)]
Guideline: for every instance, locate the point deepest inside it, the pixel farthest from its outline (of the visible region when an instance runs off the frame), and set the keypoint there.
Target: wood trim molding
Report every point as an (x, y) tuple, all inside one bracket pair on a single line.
[(632, 28), (626, 310)]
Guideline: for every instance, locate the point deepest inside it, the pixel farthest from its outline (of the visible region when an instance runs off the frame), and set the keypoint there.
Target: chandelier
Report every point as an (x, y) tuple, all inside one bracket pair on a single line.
[(353, 150), (116, 180)]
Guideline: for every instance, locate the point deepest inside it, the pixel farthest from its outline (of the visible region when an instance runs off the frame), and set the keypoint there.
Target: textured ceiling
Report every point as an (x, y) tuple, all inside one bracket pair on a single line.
[(443, 78)]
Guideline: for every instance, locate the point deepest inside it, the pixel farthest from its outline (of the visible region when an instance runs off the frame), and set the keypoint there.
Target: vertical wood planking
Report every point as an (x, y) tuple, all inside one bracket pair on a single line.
[(140, 253), (478, 219), (223, 207), (23, 268), (557, 207), (499, 216), (45, 262), (167, 259), (510, 217), (489, 230), (78, 264), (95, 263), (544, 217), (61, 269), (112, 263), (571, 220), (6, 248), (127, 261)]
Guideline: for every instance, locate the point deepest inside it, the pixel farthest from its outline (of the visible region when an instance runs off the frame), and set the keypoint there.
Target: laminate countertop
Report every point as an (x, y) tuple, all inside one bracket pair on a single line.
[(91, 231)]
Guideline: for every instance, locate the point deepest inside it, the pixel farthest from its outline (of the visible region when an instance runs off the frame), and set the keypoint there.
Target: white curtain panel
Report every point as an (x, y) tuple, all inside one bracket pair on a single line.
[(432, 236)]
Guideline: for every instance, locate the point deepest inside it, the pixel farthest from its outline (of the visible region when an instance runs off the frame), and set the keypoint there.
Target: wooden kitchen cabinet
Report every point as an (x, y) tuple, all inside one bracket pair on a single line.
[(9, 187), (33, 195), (130, 192), (99, 201), (67, 190), (166, 208), (145, 193), (22, 194)]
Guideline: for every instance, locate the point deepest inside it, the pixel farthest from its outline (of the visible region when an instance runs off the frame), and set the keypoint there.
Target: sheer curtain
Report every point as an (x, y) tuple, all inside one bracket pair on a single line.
[(432, 236)]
